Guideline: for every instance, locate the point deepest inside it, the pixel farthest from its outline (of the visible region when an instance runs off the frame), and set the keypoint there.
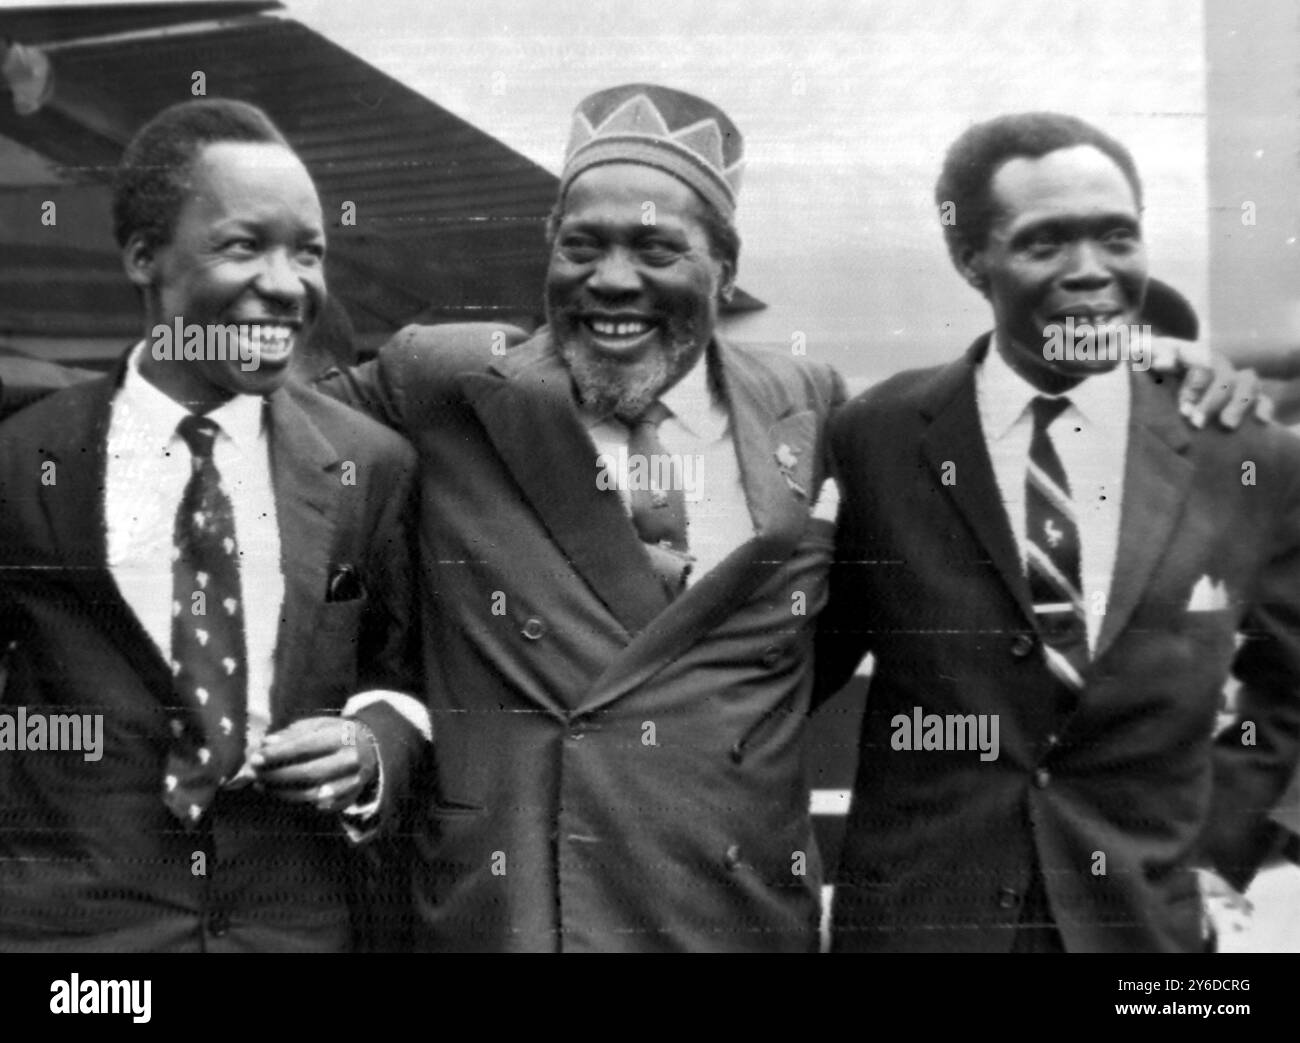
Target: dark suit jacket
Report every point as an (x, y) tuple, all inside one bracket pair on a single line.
[(941, 845), (1287, 812), (553, 822), (89, 856)]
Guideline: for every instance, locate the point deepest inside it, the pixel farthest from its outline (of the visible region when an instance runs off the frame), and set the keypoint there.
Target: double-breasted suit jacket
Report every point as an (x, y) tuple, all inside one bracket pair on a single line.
[(613, 771)]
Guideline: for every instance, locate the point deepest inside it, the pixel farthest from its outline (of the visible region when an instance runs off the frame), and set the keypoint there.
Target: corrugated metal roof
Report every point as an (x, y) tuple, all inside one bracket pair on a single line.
[(45, 25), (448, 220)]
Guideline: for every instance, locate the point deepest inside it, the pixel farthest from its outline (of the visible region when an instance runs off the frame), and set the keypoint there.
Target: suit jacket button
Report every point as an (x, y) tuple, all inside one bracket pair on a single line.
[(1042, 777), (771, 656), (1008, 898), (1022, 645), (534, 629), (732, 858), (218, 924)]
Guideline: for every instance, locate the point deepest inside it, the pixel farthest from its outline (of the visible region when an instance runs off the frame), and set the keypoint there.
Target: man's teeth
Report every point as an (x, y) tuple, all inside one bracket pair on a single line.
[(268, 343), (619, 329)]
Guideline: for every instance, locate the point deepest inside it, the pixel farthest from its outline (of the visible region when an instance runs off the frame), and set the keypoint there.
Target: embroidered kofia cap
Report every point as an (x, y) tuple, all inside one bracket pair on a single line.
[(686, 136)]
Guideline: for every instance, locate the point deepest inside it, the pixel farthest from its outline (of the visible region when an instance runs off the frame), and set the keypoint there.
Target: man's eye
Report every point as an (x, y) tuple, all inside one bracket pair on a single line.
[(1043, 243), (579, 249), (241, 244), (659, 252), (1121, 238), (314, 251)]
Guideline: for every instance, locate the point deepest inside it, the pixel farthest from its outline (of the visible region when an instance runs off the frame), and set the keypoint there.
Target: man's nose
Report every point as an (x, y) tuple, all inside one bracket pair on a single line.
[(280, 278), (615, 273), (1087, 265)]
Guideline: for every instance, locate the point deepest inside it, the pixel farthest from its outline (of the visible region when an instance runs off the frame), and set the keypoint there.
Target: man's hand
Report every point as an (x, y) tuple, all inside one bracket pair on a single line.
[(1224, 908), (326, 761), (1211, 387)]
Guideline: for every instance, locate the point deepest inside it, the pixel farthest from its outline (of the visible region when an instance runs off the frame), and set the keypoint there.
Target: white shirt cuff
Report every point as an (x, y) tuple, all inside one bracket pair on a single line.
[(407, 705), (358, 818)]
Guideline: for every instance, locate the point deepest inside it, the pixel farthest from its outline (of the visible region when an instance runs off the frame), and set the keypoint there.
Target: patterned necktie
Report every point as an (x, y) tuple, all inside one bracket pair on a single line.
[(1052, 533), (209, 662), (657, 498)]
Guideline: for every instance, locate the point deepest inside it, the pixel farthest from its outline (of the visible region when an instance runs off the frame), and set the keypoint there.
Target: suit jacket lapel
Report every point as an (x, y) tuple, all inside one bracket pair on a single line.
[(956, 437), (79, 452), (1157, 479), (74, 510), (777, 452), (307, 483), (528, 411), (765, 434)]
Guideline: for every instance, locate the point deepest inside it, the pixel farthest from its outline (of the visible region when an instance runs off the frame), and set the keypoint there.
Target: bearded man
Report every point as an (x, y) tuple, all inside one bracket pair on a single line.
[(622, 549)]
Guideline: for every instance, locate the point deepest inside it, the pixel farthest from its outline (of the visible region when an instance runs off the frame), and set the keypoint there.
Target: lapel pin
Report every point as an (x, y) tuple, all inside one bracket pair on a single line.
[(787, 460)]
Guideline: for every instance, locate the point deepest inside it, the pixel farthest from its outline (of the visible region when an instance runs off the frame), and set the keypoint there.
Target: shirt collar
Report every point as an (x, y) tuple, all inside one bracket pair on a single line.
[(1103, 400), (157, 414), (1004, 396), (690, 401)]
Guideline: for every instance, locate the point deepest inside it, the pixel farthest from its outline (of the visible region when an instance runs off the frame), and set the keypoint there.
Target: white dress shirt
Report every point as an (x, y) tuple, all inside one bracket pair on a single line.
[(147, 470), (717, 512), (1091, 439), (149, 465)]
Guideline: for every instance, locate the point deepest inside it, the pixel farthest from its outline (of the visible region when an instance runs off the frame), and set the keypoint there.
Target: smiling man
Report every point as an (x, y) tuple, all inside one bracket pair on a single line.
[(1041, 544), (619, 675), (216, 564)]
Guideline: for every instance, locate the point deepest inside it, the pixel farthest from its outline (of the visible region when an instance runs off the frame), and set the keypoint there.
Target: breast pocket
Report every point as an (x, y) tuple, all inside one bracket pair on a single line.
[(337, 617)]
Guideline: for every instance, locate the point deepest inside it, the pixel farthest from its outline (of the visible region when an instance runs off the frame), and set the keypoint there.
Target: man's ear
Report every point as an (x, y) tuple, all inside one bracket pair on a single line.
[(970, 262), (726, 281), (139, 261)]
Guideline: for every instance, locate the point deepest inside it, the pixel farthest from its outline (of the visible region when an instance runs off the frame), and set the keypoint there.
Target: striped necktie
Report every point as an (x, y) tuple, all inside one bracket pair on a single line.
[(1052, 544)]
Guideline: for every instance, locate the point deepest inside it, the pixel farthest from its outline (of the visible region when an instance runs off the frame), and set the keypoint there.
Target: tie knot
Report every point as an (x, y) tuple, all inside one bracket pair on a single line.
[(199, 433), (655, 414), (1048, 409)]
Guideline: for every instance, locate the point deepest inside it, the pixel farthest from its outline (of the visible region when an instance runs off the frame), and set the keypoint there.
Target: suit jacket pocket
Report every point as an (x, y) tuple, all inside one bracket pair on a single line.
[(453, 845), (336, 616), (454, 809)]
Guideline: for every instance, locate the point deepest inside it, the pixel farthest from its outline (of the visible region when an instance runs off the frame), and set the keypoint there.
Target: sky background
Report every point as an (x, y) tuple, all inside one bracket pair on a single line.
[(847, 110)]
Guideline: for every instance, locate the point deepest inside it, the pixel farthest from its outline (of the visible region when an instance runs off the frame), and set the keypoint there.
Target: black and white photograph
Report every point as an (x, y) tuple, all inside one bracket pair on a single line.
[(490, 476)]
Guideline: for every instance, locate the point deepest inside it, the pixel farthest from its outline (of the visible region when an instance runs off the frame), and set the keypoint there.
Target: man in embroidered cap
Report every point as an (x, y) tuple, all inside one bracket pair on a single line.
[(625, 534)]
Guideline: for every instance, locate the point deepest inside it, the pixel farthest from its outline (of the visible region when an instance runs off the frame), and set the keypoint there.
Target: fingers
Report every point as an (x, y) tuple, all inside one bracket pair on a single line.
[(310, 737), (1243, 395), (305, 774), (1165, 355), (328, 797), (330, 784), (1264, 408), (1211, 386), (1200, 395), (319, 760), (1224, 910)]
